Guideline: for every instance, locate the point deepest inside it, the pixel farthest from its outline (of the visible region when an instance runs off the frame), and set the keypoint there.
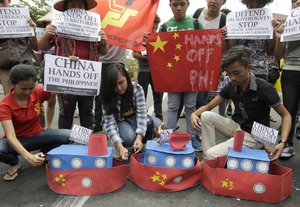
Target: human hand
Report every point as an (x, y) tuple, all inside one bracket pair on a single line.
[(50, 30), (31, 23), (123, 151), (278, 28), (138, 145), (224, 31), (145, 36), (195, 120), (103, 37), (36, 159), (74, 58), (274, 152)]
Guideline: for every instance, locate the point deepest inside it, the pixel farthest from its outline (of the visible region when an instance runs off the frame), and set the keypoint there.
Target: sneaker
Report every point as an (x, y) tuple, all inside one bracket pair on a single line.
[(197, 145), (288, 152), (229, 111)]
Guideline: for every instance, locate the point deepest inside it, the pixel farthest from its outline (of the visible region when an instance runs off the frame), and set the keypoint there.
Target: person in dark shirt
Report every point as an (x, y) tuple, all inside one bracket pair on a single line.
[(252, 98)]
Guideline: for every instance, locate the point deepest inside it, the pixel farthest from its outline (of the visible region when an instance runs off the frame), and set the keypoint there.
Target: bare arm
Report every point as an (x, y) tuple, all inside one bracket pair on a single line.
[(103, 49), (50, 110), (280, 47), (138, 56), (44, 42), (33, 40), (286, 122), (9, 130)]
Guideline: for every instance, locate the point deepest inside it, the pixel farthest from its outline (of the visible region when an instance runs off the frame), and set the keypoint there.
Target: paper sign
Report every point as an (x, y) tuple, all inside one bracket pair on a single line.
[(14, 23), (264, 134), (250, 24), (292, 27), (164, 136), (63, 75), (78, 24), (80, 134)]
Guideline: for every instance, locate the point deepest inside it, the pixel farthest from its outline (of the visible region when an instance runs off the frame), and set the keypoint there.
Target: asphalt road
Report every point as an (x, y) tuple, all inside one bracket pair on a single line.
[(30, 188)]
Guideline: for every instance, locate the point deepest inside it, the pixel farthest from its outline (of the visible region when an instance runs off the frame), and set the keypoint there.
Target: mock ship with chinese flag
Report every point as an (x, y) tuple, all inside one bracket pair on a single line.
[(247, 174), (85, 170), (166, 167)]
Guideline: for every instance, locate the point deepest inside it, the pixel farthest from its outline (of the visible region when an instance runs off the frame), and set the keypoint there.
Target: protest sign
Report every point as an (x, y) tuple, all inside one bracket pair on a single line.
[(78, 24), (185, 61), (39, 31), (264, 134), (80, 134), (164, 136), (292, 27), (63, 75), (14, 23), (250, 24)]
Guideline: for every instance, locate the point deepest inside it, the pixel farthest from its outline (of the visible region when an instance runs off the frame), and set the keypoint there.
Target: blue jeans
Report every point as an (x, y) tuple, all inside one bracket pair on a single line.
[(128, 126), (45, 141), (189, 100), (290, 83)]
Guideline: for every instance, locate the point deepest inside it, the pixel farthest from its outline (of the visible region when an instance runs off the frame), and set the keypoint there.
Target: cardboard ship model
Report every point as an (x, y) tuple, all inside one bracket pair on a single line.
[(166, 167), (85, 170)]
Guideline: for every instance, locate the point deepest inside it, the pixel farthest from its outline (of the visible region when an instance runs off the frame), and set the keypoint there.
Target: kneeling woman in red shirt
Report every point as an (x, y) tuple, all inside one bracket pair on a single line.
[(20, 119)]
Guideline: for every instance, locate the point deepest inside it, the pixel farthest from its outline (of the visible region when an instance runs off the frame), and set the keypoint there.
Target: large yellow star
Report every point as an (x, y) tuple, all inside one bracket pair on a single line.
[(224, 184), (158, 44), (155, 178), (178, 46), (176, 58), (176, 35), (169, 65)]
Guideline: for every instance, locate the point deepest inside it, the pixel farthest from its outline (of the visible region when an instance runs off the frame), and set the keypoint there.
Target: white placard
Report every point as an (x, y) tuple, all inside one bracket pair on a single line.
[(164, 136), (292, 26), (264, 134), (63, 75), (14, 23), (80, 134), (250, 24), (39, 31), (78, 24)]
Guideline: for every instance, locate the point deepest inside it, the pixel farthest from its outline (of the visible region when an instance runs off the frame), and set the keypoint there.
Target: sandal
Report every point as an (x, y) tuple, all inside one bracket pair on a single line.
[(8, 177)]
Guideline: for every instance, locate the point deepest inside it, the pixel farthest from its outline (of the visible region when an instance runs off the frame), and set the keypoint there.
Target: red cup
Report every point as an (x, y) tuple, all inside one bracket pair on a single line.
[(97, 145), (238, 140)]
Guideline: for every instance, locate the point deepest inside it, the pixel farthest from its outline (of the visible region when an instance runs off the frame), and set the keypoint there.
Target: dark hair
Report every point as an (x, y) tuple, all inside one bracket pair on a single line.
[(157, 19), (22, 72), (239, 53), (108, 88), (258, 1), (66, 2)]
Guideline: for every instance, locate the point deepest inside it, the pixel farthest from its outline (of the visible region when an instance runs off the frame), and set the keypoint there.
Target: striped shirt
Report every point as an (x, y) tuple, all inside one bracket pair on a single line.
[(110, 121)]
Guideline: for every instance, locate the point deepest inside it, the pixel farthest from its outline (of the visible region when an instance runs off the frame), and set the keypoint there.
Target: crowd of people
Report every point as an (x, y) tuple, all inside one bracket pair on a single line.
[(120, 110)]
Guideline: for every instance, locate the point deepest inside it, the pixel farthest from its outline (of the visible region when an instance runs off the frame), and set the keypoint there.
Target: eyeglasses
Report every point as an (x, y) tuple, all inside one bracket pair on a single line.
[(244, 113)]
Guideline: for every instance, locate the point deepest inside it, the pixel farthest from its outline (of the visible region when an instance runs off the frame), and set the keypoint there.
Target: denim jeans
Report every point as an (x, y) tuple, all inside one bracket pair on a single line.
[(189, 100), (127, 129), (144, 79), (45, 141), (67, 103), (290, 84)]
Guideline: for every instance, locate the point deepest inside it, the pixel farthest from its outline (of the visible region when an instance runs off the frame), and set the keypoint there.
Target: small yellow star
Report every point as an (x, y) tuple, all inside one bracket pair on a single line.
[(164, 176), (176, 35), (57, 179), (169, 65), (61, 175), (157, 173), (63, 184), (224, 184), (162, 183), (158, 44), (155, 178), (176, 58), (178, 46)]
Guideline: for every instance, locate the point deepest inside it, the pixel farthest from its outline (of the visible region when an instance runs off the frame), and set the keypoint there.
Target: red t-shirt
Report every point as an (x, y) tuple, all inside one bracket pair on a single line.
[(26, 119)]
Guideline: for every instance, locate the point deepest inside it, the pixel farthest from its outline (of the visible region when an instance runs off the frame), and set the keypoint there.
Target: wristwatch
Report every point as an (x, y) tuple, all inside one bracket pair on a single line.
[(284, 141)]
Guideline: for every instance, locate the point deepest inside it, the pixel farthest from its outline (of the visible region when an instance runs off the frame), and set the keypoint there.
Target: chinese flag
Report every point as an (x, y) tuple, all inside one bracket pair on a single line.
[(185, 61), (125, 21)]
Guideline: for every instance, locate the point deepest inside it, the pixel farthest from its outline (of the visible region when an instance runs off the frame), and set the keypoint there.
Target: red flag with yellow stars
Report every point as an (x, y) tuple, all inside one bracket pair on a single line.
[(125, 21), (185, 61), (163, 179)]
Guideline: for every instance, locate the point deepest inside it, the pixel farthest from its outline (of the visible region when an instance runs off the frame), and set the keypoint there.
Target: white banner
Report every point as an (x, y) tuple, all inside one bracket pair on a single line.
[(78, 24), (250, 24), (63, 75), (80, 134), (292, 27), (264, 134), (14, 23)]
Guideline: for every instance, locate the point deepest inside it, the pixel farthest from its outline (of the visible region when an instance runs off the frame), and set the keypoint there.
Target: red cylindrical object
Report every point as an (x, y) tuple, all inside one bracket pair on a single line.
[(238, 140), (97, 145)]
